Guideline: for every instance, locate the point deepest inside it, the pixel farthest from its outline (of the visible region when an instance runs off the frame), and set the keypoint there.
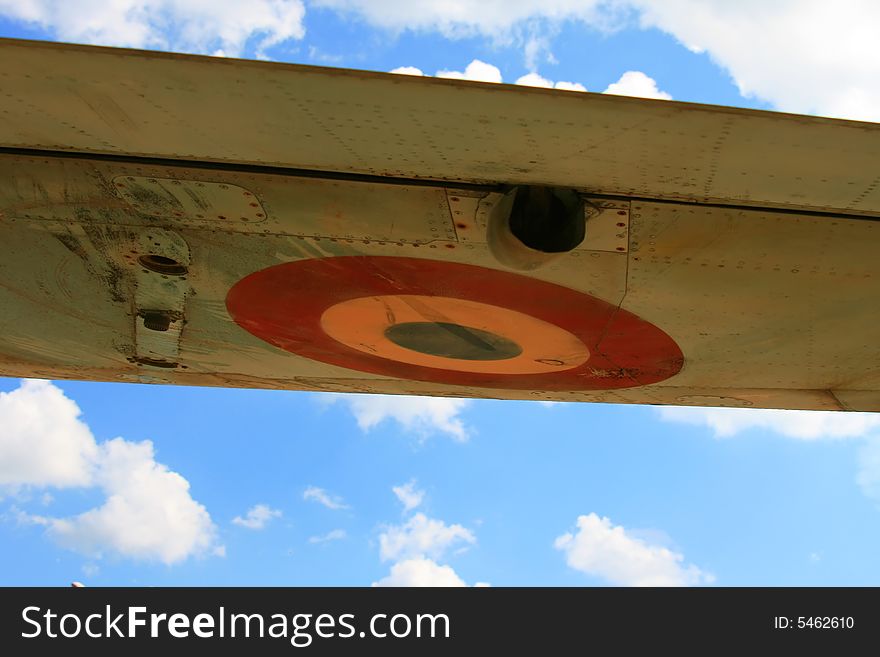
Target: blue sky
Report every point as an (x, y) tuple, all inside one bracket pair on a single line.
[(251, 487)]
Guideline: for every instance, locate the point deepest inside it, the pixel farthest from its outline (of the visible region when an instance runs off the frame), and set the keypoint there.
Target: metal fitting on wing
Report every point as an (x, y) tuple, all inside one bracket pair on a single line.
[(533, 225)]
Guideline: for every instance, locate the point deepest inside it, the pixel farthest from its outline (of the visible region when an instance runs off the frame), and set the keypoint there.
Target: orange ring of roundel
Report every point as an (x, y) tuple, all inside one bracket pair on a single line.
[(284, 304), (362, 323)]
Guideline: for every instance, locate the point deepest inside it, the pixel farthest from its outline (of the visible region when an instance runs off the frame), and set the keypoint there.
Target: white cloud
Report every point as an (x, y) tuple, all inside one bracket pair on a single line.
[(535, 80), (636, 83), (43, 442), (631, 83), (421, 415), (408, 495), (321, 496), (604, 550), (476, 70), (806, 425), (407, 70), (415, 545), (569, 86), (257, 517), (148, 512), (333, 535), (420, 571), (421, 536), (202, 26), (809, 56), (536, 46), (483, 72)]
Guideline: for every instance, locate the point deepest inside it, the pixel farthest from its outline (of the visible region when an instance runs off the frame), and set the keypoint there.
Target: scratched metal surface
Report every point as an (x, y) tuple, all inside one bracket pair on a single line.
[(770, 310), (772, 304), (105, 100)]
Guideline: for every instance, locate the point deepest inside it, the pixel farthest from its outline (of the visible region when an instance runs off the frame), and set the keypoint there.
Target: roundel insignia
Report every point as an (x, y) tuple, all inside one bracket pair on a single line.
[(450, 323)]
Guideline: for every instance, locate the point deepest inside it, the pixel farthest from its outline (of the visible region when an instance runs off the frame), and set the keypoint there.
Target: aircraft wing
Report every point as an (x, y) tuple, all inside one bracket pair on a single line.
[(190, 220)]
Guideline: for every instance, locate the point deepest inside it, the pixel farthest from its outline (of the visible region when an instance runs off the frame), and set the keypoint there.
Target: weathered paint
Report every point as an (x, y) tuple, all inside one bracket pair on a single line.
[(749, 238), (526, 345), (592, 344)]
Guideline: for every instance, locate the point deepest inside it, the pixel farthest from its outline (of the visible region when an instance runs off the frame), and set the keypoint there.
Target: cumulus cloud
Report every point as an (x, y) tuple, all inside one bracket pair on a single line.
[(43, 441), (608, 551), (806, 425), (803, 55), (257, 517), (809, 56), (333, 535), (407, 70), (220, 27), (148, 513), (483, 72), (420, 571), (408, 495), (321, 496), (423, 416), (636, 83), (422, 536), (535, 80), (631, 83), (476, 70), (417, 544)]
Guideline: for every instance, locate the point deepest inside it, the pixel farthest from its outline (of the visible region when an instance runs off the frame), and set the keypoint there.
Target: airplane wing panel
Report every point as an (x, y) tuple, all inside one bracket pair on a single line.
[(184, 107), (200, 221)]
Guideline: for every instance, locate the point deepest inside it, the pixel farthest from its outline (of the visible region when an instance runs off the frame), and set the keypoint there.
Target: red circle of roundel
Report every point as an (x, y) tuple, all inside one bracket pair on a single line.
[(284, 304)]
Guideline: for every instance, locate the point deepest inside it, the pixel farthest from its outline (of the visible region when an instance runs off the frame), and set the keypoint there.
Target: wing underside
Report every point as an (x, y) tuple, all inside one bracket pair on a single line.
[(186, 220)]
